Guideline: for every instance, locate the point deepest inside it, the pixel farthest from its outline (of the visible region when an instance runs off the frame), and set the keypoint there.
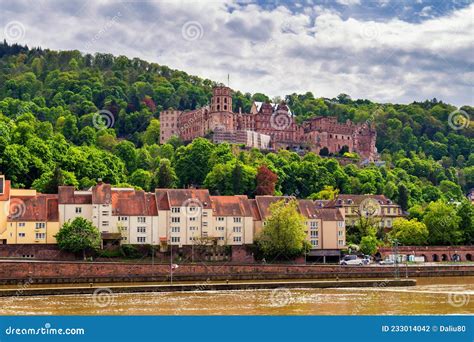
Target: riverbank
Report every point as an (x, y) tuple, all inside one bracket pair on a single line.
[(205, 286), (58, 272)]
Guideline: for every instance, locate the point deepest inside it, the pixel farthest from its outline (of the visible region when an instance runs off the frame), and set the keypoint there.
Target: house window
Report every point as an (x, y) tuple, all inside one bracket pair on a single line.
[(204, 213), (40, 236), (340, 224), (192, 219), (221, 219), (105, 223), (105, 213), (21, 224), (175, 239), (175, 219), (193, 228), (124, 238), (220, 228), (141, 229), (175, 229), (237, 239), (314, 233), (237, 229), (40, 225), (340, 233), (315, 242), (204, 224), (204, 234), (21, 234), (141, 219), (123, 218), (175, 210), (237, 219), (78, 210), (221, 238), (141, 239), (389, 223), (313, 224), (341, 242)]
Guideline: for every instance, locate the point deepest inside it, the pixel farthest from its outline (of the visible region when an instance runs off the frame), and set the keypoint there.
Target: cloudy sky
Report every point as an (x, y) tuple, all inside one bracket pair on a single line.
[(383, 50)]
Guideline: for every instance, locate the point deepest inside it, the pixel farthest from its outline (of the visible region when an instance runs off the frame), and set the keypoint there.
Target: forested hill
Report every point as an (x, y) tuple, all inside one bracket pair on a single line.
[(48, 100)]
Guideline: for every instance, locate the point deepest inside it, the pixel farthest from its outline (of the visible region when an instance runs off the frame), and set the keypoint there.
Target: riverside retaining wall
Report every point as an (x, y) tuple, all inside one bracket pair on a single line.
[(12, 272)]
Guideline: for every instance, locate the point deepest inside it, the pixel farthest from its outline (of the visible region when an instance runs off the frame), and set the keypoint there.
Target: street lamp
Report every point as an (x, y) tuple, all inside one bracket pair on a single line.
[(395, 252)]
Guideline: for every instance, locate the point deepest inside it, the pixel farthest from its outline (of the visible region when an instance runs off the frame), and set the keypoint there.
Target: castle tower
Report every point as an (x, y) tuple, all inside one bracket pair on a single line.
[(221, 99), (221, 115)]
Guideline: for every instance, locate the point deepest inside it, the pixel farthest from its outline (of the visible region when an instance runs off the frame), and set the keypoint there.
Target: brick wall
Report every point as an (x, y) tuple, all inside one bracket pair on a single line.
[(42, 252), (54, 272)]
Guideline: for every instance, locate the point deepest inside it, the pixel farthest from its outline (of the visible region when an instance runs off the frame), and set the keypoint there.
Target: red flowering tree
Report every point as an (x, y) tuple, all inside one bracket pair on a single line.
[(266, 181)]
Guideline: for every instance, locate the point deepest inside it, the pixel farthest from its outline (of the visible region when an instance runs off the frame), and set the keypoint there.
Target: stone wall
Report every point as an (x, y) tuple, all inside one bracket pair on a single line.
[(42, 252), (12, 272), (433, 253)]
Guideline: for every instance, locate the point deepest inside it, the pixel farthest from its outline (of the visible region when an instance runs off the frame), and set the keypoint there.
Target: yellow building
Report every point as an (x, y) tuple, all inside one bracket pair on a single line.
[(27, 217), (379, 207)]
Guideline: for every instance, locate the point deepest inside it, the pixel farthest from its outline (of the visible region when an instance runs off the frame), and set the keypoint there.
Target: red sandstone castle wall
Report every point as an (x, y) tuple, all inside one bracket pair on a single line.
[(318, 132)]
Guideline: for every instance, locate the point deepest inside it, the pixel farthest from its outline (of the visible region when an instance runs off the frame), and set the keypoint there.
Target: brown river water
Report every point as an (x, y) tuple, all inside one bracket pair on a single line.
[(435, 296)]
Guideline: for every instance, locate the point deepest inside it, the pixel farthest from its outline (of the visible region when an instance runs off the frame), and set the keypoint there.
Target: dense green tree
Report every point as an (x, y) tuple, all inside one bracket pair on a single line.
[(165, 177), (283, 235), (78, 236), (409, 232), (141, 178), (443, 224)]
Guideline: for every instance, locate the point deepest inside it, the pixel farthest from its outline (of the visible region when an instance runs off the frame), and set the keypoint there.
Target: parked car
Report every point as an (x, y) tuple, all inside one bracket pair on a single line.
[(366, 260), (387, 262), (351, 260)]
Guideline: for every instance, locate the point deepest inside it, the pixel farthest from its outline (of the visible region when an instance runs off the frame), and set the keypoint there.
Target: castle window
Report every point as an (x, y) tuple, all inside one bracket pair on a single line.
[(225, 99), (225, 107), (218, 100), (218, 107)]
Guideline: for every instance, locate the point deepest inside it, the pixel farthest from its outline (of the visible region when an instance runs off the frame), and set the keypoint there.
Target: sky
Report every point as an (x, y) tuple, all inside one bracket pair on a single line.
[(384, 50)]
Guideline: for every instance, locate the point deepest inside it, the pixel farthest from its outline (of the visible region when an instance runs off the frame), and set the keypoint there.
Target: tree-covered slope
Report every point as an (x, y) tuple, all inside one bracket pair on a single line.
[(49, 102)]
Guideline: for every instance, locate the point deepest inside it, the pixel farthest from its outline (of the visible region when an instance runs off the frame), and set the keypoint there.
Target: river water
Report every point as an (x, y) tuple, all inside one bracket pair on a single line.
[(446, 295)]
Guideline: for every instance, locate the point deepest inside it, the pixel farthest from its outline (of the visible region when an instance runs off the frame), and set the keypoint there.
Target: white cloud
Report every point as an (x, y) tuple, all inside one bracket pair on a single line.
[(274, 51), (348, 2)]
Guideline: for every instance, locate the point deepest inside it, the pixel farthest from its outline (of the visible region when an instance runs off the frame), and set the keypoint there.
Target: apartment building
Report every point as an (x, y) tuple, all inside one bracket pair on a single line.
[(27, 217), (178, 217), (379, 207)]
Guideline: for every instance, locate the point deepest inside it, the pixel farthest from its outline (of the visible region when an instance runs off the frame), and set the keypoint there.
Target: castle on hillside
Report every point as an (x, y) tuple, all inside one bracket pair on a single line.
[(268, 126)]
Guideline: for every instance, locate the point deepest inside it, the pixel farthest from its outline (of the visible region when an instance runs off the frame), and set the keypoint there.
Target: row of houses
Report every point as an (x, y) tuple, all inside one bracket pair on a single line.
[(179, 217)]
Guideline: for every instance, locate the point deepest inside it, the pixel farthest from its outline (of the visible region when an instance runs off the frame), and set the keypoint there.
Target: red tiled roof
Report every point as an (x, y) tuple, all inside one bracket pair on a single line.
[(263, 203), (329, 214), (34, 208), (307, 208), (230, 206), (167, 198), (101, 194), (254, 208), (161, 198), (130, 202), (344, 199), (68, 195), (6, 191)]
